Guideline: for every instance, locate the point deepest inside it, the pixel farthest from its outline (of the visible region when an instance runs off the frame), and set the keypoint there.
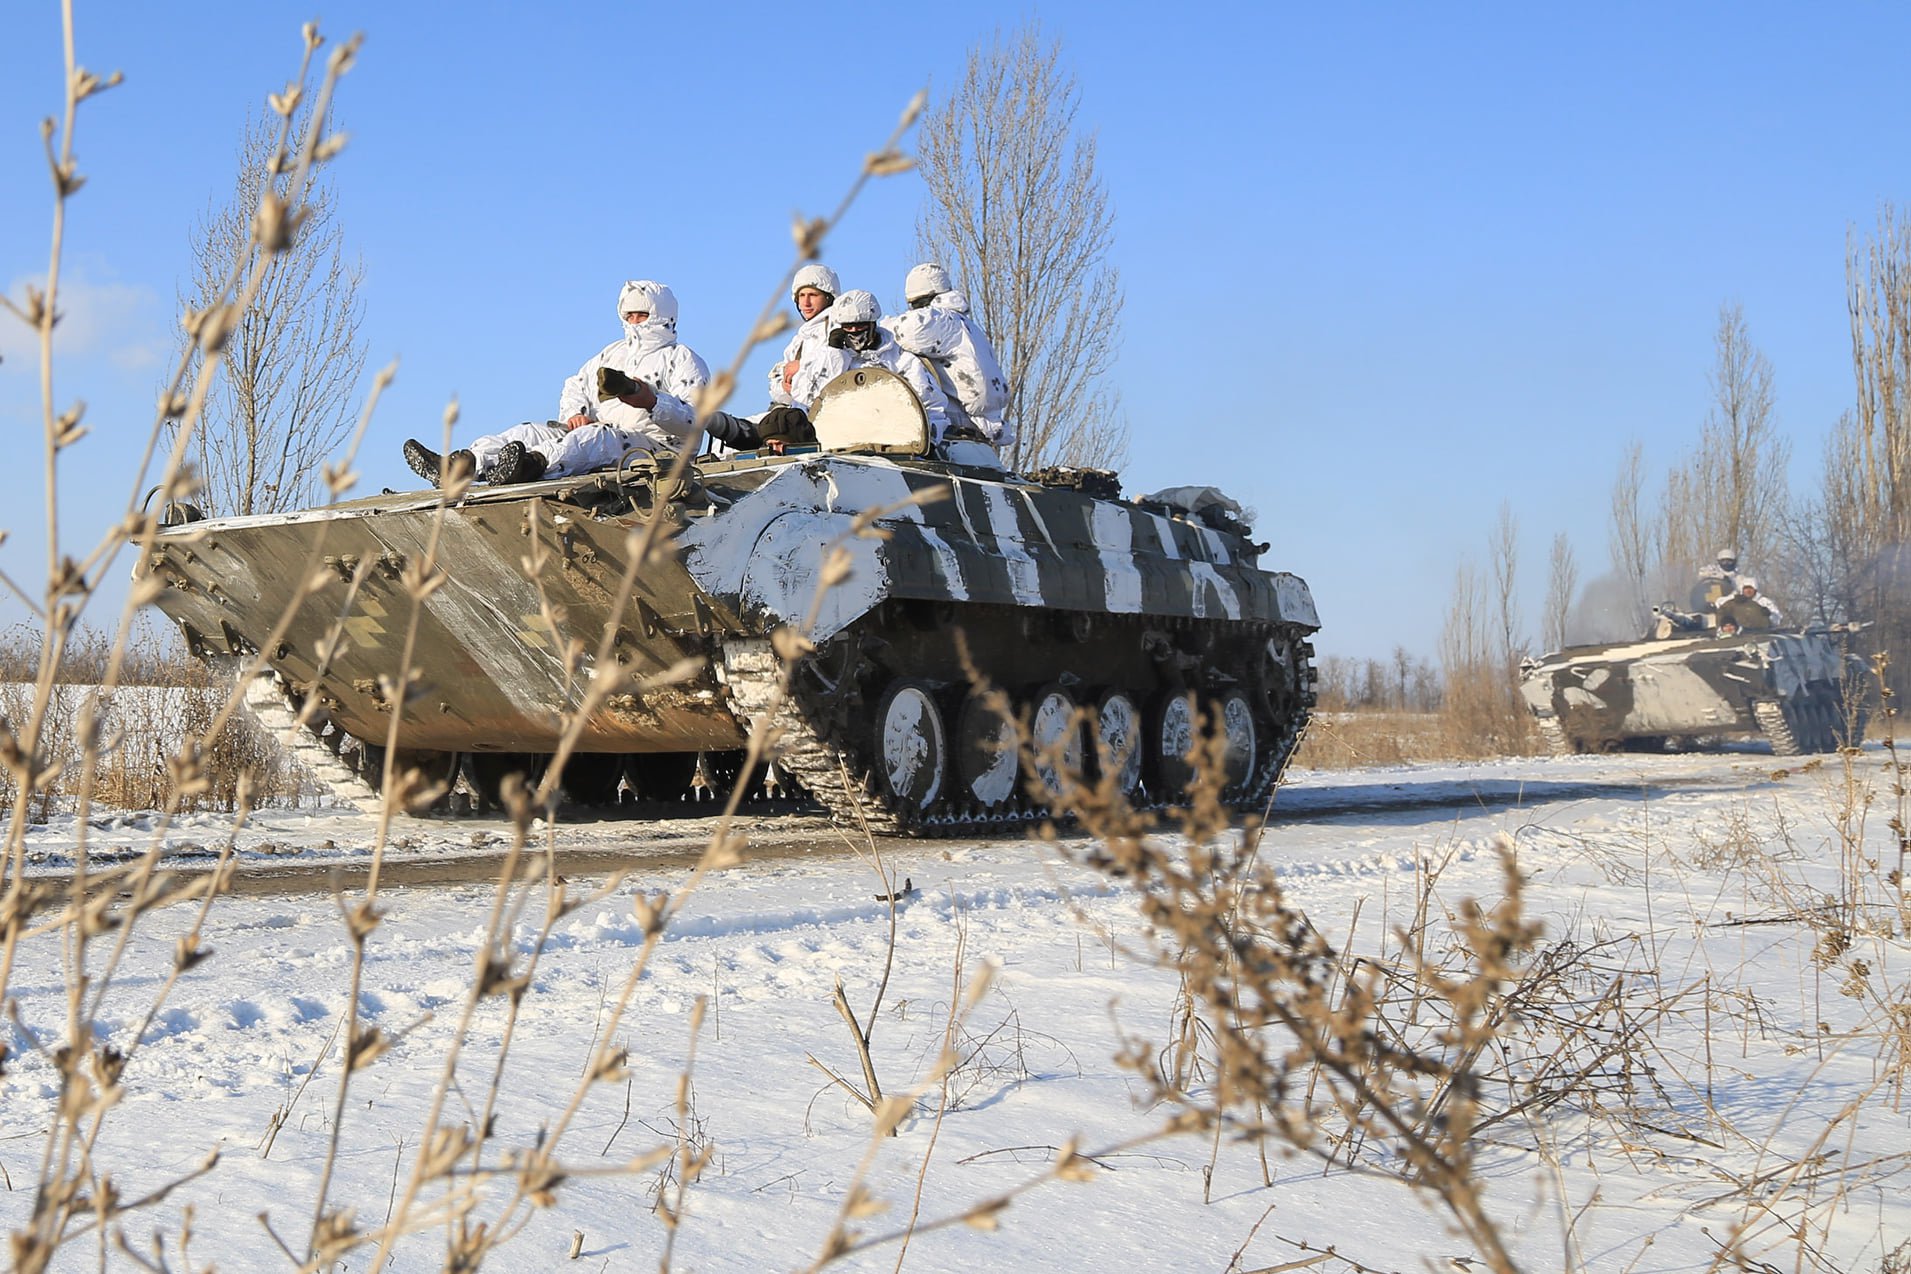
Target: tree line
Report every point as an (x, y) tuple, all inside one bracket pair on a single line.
[(1403, 682)]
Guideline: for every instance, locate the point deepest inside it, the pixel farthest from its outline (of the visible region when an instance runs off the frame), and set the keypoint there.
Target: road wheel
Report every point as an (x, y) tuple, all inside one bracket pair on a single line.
[(912, 747), (437, 770), (1237, 720), (1170, 745), (1118, 740), (986, 764), (485, 771), (590, 778), (1053, 725)]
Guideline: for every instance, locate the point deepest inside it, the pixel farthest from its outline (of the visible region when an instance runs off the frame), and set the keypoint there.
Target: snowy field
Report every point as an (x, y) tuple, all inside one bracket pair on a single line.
[(1750, 1088)]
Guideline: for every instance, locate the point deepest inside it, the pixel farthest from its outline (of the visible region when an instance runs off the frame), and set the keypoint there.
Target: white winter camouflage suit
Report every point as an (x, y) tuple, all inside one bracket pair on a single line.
[(943, 335), (810, 339), (1739, 581), (826, 363), (649, 352)]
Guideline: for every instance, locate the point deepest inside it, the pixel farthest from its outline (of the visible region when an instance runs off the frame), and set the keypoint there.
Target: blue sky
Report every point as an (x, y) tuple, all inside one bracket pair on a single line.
[(1386, 266)]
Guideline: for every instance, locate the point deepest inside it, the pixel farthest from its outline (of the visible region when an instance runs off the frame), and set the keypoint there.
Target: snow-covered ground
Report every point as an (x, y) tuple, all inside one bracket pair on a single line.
[(1760, 1102)]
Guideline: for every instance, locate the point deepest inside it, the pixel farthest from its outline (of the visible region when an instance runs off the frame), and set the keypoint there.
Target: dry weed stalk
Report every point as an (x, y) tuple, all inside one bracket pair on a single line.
[(1069, 1162), (958, 978), (1840, 901), (863, 844), (1285, 1015), (75, 1195), (1301, 1039), (534, 1175)]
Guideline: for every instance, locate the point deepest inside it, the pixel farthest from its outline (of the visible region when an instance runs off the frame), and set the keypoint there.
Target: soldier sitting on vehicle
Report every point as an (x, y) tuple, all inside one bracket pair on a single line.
[(1748, 610), (812, 291), (855, 338), (636, 393), (1717, 581), (786, 424), (937, 329), (858, 339)]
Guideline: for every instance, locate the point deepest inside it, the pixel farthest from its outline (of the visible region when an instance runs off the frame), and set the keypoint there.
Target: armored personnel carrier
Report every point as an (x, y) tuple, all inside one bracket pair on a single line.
[(1684, 685), (906, 566)]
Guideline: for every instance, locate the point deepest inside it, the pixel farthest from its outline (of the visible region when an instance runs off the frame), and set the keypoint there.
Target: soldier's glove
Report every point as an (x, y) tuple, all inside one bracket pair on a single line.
[(787, 425), (612, 383)]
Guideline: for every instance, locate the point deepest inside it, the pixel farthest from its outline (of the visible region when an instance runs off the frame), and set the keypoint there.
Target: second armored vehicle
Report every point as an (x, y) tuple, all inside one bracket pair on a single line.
[(1802, 689)]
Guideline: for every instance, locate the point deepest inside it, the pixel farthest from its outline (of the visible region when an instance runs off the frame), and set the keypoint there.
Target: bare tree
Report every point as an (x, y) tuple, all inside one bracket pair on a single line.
[(1740, 444), (1504, 550), (1681, 542), (1730, 492), (1480, 651), (1867, 481), (1333, 683), (1015, 209), (1428, 694), (1562, 582), (282, 400), (1820, 586), (1469, 670), (1633, 555), (1878, 287), (1463, 639), (1878, 294), (1843, 522), (1515, 725)]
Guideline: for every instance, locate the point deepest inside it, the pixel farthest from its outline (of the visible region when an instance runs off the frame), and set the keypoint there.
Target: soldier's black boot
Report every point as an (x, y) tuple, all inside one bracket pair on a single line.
[(427, 464), (517, 463), (423, 460)]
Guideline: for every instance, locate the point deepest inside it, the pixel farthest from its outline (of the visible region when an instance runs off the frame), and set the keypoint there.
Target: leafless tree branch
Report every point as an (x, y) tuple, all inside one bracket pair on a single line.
[(1016, 211), (283, 402)]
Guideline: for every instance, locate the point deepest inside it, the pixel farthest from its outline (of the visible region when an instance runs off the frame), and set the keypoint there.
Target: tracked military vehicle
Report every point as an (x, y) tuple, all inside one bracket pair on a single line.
[(1153, 616), (1685, 685)]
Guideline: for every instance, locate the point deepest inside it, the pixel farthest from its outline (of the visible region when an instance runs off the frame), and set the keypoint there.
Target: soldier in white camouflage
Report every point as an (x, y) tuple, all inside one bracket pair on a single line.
[(937, 329), (635, 393), (1748, 610), (857, 338), (1718, 580), (812, 291)]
